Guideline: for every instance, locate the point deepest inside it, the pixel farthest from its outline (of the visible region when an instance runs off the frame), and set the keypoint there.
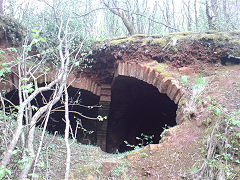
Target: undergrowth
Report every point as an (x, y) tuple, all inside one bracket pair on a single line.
[(86, 161), (222, 148)]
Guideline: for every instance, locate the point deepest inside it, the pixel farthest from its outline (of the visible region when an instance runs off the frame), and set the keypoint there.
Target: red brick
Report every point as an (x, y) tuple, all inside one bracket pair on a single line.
[(142, 71), (162, 87), (151, 76), (138, 71), (132, 69), (125, 69), (98, 90), (105, 98), (146, 74), (120, 69), (178, 96)]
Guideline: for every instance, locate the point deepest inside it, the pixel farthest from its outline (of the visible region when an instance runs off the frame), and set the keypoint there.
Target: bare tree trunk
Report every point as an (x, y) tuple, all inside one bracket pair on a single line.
[(173, 14), (214, 10), (237, 6), (189, 17), (150, 23), (138, 18), (196, 14), (127, 23), (68, 158), (209, 17), (1, 6), (168, 17), (214, 7), (8, 153)]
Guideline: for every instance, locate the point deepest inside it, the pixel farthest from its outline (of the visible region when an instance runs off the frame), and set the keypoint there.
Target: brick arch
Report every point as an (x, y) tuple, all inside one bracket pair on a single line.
[(82, 82), (166, 85)]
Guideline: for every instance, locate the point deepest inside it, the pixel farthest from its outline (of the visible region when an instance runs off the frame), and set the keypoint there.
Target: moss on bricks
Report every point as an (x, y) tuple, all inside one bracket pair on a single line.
[(125, 40)]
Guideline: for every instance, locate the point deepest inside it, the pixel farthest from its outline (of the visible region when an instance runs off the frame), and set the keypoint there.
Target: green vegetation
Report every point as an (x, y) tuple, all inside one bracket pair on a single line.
[(60, 36), (143, 141), (222, 140)]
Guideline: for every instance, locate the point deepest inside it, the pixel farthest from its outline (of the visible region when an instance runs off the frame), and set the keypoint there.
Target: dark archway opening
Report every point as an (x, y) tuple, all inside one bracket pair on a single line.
[(137, 108), (81, 101)]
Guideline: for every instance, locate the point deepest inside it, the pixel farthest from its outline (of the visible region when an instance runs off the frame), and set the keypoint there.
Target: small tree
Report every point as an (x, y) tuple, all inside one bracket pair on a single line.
[(66, 55)]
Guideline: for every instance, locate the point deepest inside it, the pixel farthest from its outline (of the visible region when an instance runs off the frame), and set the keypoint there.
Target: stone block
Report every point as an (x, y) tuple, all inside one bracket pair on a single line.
[(158, 79), (71, 79), (98, 91), (132, 69), (146, 74), (178, 96), (120, 69), (151, 76), (174, 92), (76, 83), (138, 71), (86, 87), (125, 69), (83, 83), (92, 86), (106, 86), (173, 89), (142, 71), (169, 88), (105, 98), (106, 92), (95, 88), (163, 86)]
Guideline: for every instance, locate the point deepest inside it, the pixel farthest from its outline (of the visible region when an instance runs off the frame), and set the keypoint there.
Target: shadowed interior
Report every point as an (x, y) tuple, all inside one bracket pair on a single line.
[(137, 108), (80, 102)]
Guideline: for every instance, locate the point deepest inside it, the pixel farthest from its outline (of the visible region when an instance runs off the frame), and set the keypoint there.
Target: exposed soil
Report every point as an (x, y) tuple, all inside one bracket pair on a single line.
[(182, 148), (180, 151)]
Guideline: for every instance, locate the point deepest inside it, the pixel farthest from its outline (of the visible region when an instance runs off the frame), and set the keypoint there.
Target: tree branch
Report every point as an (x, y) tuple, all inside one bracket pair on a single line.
[(138, 14)]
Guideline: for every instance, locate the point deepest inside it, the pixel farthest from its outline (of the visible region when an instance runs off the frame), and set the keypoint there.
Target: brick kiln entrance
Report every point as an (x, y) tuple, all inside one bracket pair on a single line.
[(137, 108)]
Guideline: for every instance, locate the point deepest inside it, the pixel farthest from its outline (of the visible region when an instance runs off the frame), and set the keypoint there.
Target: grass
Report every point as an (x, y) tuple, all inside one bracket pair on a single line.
[(86, 160)]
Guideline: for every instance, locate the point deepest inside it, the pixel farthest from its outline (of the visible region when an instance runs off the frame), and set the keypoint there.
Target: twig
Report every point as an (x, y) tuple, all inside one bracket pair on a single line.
[(90, 118), (138, 14), (68, 158)]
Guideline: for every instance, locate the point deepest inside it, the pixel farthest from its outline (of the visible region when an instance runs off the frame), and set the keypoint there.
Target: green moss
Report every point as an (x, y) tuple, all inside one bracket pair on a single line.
[(138, 36), (217, 38), (208, 36), (162, 68), (152, 63), (159, 67), (162, 42), (147, 40), (181, 37), (125, 40)]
